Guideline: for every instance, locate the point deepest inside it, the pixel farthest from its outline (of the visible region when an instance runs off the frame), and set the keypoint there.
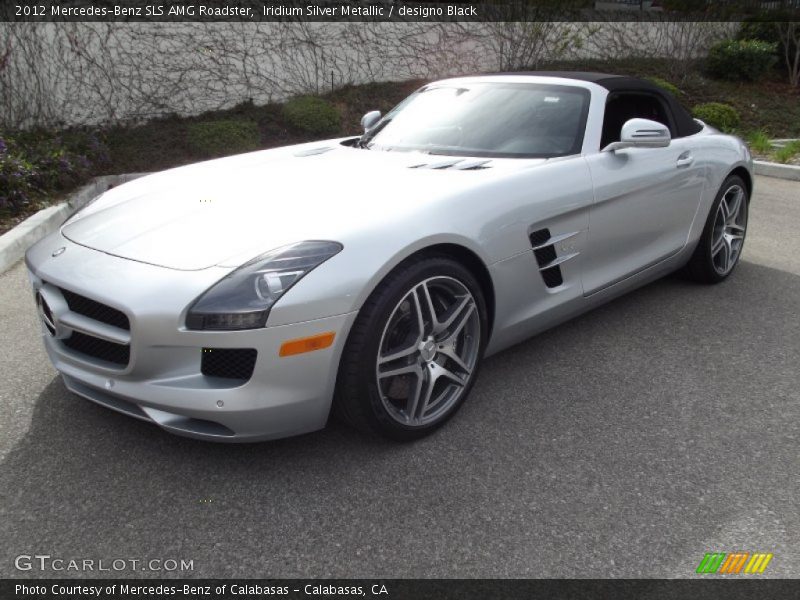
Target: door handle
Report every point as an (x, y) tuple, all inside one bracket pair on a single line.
[(684, 160)]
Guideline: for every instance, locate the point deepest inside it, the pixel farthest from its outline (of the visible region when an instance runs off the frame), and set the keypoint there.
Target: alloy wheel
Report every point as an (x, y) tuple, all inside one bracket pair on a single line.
[(730, 226), (428, 351)]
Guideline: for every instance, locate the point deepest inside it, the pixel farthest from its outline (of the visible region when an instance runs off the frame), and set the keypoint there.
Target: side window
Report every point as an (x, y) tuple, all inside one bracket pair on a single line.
[(622, 107)]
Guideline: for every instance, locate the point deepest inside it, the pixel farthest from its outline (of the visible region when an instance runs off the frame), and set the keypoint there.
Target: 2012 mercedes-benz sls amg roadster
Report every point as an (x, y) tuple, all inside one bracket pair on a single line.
[(246, 298)]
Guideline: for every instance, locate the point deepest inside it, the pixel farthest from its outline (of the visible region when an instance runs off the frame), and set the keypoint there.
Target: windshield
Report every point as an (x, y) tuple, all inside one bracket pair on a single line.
[(492, 120)]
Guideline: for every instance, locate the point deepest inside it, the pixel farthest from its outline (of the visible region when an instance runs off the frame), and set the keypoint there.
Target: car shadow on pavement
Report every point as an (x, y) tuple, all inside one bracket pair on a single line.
[(616, 444)]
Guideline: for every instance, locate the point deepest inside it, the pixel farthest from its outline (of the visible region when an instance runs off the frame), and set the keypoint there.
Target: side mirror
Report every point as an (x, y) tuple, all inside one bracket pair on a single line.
[(641, 133), (369, 120)]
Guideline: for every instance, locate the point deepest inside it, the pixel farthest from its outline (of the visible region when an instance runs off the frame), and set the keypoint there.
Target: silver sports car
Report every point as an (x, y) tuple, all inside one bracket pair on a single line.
[(247, 298)]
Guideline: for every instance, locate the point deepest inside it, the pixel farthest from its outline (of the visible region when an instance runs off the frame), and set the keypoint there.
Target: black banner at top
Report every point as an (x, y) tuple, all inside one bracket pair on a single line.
[(396, 10)]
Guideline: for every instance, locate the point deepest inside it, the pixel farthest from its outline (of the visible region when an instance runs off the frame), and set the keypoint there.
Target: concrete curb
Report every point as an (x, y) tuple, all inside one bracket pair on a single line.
[(781, 142), (771, 169), (14, 243)]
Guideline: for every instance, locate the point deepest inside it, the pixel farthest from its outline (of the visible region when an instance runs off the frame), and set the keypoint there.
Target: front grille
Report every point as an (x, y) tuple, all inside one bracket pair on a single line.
[(229, 363), (88, 345), (95, 310)]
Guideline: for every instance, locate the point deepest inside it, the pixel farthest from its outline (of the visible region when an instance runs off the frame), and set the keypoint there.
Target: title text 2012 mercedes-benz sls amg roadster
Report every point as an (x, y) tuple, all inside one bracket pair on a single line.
[(246, 298)]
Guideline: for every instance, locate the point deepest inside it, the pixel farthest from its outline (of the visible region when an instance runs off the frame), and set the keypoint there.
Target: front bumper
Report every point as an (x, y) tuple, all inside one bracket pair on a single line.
[(162, 381)]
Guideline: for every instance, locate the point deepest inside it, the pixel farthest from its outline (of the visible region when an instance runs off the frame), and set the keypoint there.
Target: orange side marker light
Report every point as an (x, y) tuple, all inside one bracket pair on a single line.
[(307, 344)]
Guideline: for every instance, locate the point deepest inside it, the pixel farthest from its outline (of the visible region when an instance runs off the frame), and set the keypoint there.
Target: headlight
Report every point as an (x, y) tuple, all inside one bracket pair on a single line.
[(242, 299)]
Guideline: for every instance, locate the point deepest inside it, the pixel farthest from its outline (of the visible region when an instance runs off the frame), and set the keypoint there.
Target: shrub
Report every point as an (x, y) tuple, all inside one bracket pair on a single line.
[(759, 141), (779, 29), (788, 152), (312, 114), (39, 162), (64, 160), (741, 60), (722, 116), (16, 178), (754, 28), (211, 139), (664, 85)]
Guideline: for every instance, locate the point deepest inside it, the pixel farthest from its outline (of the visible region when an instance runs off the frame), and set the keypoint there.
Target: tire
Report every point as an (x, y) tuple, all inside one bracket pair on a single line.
[(721, 244), (396, 352)]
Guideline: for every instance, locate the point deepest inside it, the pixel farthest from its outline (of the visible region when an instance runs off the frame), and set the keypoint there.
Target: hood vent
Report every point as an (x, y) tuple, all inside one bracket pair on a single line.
[(314, 151), (473, 165), (458, 164)]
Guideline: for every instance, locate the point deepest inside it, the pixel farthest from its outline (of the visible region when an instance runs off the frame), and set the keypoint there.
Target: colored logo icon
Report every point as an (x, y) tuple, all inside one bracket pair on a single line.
[(734, 563)]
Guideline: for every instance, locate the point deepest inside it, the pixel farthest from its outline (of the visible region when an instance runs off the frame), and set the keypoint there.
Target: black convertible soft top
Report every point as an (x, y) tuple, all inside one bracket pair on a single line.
[(684, 123)]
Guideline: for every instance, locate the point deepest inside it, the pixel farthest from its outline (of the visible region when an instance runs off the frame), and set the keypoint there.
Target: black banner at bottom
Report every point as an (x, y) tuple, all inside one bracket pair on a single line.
[(396, 589)]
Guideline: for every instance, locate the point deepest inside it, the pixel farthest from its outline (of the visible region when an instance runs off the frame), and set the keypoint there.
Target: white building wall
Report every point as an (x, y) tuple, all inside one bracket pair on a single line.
[(54, 74)]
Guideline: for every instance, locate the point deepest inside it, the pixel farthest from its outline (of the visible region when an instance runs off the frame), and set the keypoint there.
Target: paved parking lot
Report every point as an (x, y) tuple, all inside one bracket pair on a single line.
[(626, 443)]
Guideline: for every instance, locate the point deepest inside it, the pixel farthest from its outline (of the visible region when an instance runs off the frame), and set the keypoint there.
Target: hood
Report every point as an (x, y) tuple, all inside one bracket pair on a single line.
[(226, 211)]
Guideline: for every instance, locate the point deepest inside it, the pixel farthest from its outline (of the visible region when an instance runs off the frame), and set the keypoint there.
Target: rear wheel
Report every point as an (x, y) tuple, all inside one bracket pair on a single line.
[(720, 246), (414, 351)]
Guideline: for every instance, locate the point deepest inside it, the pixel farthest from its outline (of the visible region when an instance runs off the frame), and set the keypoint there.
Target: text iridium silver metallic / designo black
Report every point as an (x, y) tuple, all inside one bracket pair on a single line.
[(249, 297)]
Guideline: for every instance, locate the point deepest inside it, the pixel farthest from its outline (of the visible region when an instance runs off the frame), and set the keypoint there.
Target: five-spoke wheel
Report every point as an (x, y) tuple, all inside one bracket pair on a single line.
[(415, 349), (722, 240), (428, 350), (729, 229)]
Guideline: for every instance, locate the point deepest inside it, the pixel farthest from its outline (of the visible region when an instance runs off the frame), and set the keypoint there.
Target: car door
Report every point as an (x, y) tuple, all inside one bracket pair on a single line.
[(645, 199)]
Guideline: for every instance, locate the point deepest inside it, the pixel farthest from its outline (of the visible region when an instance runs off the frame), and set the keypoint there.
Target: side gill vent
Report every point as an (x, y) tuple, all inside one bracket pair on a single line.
[(544, 249), (545, 254)]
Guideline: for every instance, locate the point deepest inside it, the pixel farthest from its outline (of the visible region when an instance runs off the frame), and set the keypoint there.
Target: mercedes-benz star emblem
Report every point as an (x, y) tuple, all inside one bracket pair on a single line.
[(51, 306), (59, 252)]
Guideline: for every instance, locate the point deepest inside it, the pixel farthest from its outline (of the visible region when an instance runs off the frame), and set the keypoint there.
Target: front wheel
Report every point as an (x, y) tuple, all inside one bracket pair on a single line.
[(720, 246), (414, 351)]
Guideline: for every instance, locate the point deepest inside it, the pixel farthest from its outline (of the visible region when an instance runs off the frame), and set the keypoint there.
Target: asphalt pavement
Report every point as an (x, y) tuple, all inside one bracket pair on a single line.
[(626, 443)]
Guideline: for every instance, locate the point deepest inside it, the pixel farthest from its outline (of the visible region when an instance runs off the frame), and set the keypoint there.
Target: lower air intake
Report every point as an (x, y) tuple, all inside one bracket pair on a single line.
[(229, 363)]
